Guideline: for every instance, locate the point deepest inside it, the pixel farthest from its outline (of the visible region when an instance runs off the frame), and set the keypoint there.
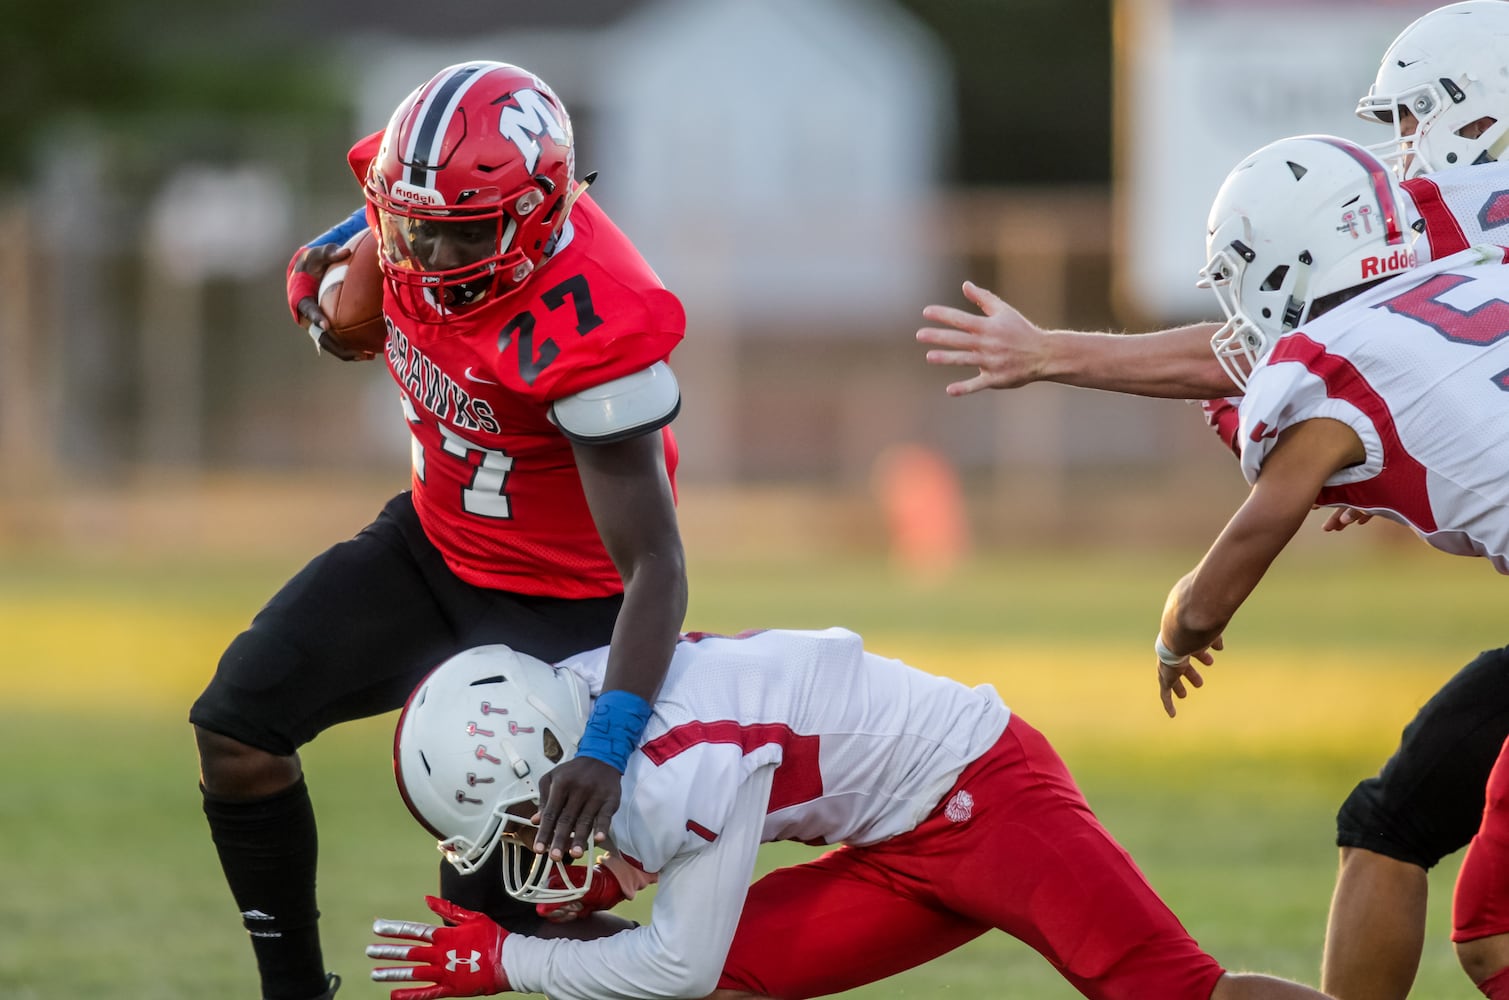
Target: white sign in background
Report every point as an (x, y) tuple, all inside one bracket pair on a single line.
[(1200, 86)]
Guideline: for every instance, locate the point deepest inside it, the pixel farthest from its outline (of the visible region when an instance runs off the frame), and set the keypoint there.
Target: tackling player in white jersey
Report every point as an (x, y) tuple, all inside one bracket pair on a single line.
[(954, 816), (1443, 87), (1370, 383), (1449, 211)]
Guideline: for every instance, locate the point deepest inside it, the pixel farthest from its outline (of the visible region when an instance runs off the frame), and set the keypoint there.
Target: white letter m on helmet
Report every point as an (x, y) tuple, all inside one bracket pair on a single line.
[(524, 124)]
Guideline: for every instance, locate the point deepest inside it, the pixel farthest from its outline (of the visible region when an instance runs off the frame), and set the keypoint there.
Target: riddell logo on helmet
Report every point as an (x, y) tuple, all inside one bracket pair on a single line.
[(1378, 266), (414, 195)]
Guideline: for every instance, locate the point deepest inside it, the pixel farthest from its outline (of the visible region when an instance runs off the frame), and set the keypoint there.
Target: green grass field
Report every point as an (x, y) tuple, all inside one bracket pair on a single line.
[(109, 887)]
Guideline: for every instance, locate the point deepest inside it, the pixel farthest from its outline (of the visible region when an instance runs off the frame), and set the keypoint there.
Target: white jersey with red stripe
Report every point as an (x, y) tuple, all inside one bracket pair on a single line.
[(1451, 210), (773, 735), (1459, 208), (863, 746), (1418, 367)]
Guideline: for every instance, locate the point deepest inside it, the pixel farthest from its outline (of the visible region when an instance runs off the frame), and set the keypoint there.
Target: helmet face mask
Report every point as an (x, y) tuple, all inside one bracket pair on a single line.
[(1241, 343), (455, 257), (473, 742), (1298, 220), (1443, 86), (471, 186)]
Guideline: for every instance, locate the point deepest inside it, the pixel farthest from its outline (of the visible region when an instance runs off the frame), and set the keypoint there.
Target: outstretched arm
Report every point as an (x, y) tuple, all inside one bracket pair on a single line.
[(629, 494), (1010, 351), (1201, 604)]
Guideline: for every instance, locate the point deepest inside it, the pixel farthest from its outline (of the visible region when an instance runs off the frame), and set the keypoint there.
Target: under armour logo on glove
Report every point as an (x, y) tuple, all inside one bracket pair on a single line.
[(461, 961)]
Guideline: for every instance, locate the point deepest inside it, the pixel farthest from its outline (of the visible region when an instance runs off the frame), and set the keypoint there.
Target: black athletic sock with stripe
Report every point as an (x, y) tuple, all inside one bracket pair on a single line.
[(268, 849)]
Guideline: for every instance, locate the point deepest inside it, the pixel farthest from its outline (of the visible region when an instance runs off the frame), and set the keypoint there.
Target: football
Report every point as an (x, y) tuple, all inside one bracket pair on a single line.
[(351, 297)]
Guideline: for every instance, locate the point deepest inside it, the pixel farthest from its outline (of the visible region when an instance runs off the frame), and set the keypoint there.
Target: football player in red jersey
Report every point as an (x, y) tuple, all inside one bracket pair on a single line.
[(1442, 86), (528, 341)]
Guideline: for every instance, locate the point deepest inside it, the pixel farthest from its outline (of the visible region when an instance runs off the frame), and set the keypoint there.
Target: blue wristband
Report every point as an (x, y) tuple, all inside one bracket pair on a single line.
[(613, 731), (343, 230)]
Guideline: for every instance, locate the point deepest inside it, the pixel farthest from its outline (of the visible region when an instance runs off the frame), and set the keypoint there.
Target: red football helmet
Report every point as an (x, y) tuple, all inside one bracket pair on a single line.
[(471, 185)]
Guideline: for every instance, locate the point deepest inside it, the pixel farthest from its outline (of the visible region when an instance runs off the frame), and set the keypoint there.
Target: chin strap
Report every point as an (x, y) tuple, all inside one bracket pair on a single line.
[(566, 203), (576, 192)]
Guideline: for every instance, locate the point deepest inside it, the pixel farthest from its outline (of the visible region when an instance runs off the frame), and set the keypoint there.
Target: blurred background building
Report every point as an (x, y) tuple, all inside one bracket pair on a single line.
[(805, 174)]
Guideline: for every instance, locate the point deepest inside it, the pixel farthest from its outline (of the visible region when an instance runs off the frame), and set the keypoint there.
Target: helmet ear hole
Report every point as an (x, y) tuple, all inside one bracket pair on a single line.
[(1275, 279), (552, 747)]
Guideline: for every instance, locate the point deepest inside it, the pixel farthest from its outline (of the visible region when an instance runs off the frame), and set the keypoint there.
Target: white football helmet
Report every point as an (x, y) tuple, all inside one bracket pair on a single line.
[(1450, 70), (473, 741), (1300, 219)]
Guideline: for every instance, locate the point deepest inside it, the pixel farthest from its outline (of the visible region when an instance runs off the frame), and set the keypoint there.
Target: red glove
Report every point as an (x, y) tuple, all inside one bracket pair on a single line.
[(301, 284), (306, 268), (462, 961), (604, 894)]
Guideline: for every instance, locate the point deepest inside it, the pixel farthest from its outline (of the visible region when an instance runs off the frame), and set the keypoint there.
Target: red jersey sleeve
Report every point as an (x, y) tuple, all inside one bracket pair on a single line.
[(362, 154)]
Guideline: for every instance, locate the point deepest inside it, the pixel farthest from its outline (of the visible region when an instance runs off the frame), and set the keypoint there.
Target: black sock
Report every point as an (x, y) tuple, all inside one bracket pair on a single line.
[(268, 849)]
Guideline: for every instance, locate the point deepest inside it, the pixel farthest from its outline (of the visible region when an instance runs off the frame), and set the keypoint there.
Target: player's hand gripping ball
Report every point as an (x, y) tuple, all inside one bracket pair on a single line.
[(351, 298)]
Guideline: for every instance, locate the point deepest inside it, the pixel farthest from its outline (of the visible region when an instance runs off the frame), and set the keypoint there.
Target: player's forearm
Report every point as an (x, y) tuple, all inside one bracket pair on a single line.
[(633, 506), (649, 624), (1176, 363), (1202, 603), (681, 951), (635, 964), (1192, 619)]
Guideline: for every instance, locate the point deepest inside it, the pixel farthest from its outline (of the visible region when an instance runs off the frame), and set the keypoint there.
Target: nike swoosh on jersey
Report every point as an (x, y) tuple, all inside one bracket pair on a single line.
[(478, 378)]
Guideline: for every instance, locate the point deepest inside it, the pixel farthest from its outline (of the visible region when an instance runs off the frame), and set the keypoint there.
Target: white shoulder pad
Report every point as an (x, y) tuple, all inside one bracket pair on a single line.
[(623, 408)]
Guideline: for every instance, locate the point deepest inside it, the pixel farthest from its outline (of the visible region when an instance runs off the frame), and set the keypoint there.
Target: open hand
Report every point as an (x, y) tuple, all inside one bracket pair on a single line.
[(1339, 519), (465, 960), (1004, 345), (1171, 677), (577, 801)]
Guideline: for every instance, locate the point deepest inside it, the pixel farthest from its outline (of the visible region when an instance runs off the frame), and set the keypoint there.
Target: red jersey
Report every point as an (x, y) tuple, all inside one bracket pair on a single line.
[(495, 482)]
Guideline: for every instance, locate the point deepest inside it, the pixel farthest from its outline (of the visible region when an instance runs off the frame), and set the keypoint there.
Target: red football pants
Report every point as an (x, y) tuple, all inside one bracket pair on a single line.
[(1479, 907), (1012, 845)]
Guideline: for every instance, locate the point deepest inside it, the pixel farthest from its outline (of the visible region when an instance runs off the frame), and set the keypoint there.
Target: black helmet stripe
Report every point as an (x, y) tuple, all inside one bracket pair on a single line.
[(422, 156)]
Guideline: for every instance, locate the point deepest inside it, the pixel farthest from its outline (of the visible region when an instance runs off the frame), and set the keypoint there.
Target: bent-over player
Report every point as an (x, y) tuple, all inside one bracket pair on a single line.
[(953, 816), (1381, 394)]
